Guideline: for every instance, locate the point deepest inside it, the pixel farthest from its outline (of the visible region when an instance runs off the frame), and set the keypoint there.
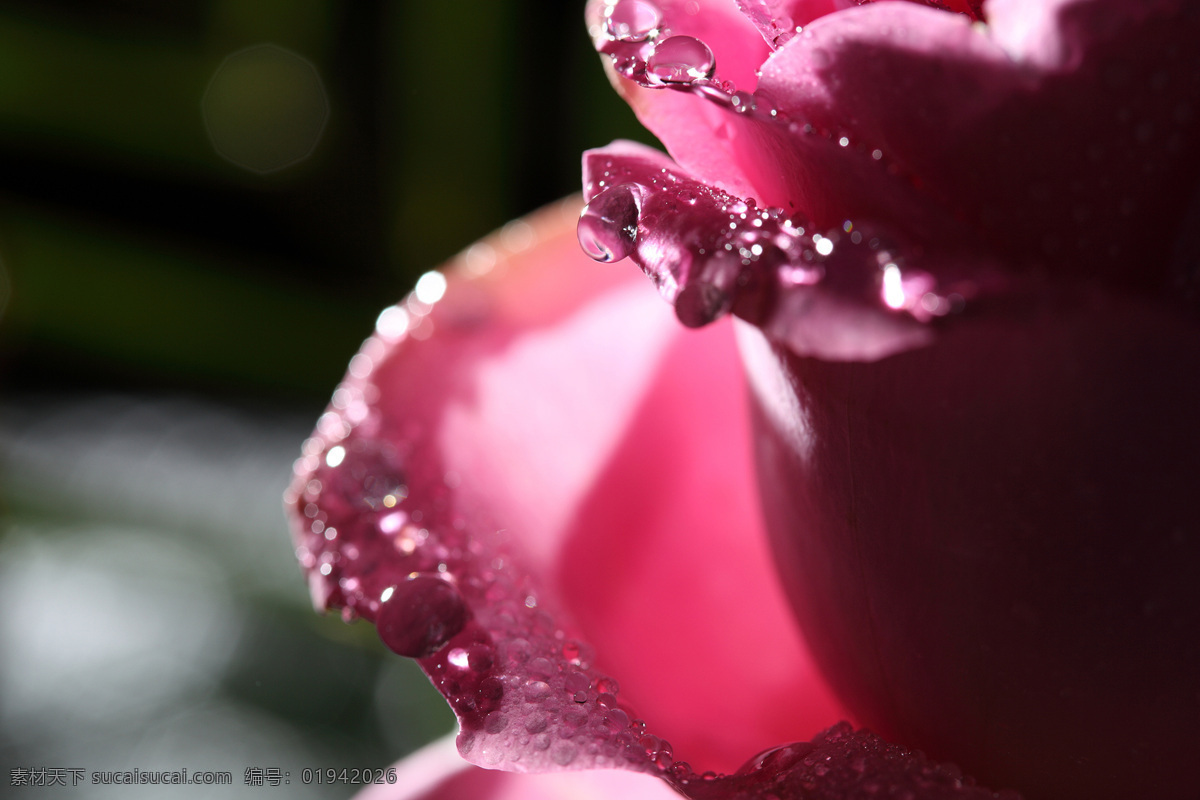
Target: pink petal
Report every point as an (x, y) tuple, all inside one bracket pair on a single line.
[(853, 293), (1054, 123), (739, 51), (438, 773), (910, 115), (754, 148), (552, 400), (525, 475), (737, 45)]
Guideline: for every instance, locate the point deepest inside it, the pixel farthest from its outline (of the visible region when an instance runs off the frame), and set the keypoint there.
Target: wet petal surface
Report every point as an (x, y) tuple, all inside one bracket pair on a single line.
[(541, 472), (535, 486), (1074, 117)]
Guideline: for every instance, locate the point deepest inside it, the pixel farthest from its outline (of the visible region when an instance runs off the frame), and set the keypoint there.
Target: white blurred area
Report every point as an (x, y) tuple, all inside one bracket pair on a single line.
[(152, 615)]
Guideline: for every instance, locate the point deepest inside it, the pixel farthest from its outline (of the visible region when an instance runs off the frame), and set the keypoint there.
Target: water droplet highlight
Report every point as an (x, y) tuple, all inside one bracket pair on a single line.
[(633, 20), (420, 616), (681, 59), (608, 226)]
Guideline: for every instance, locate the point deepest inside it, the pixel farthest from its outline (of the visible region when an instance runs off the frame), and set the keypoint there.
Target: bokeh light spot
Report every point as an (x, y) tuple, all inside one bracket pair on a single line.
[(265, 108)]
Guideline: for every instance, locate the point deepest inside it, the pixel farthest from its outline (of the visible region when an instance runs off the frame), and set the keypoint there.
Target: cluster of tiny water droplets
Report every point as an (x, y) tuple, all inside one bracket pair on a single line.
[(739, 259), (646, 51), (776, 27), (643, 49), (710, 253), (838, 763), (383, 533)]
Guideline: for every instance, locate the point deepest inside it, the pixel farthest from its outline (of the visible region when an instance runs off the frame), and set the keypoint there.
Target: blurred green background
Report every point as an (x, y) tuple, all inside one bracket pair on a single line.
[(203, 207)]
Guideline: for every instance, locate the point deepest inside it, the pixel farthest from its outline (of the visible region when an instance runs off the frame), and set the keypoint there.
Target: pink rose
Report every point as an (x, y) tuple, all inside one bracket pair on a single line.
[(960, 246)]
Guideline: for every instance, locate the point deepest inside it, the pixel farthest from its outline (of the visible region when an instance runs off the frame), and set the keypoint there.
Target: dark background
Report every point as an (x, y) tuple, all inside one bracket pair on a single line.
[(172, 321)]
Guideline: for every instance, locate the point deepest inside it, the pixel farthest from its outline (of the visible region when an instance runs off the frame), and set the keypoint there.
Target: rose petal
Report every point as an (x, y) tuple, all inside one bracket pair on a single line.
[(993, 543), (850, 293), (904, 113), (671, 115), (1056, 121), (553, 401), (737, 45), (753, 151), (437, 772)]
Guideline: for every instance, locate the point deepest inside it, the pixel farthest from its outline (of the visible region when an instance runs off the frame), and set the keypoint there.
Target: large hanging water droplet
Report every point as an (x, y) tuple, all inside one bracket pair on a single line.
[(608, 225), (633, 20), (682, 60), (420, 616)]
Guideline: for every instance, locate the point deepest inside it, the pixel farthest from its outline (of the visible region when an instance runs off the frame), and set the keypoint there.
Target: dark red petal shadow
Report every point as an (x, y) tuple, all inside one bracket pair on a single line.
[(1006, 539)]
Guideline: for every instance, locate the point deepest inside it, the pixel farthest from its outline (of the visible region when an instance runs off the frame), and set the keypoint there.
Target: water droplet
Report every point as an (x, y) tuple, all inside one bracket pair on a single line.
[(541, 668), (633, 20), (892, 288), (577, 682), (489, 694), (576, 653), (618, 718), (335, 456), (422, 614), (563, 753), (516, 650), (608, 226), (457, 658), (480, 657), (536, 691), (430, 287), (743, 102), (680, 59), (365, 476)]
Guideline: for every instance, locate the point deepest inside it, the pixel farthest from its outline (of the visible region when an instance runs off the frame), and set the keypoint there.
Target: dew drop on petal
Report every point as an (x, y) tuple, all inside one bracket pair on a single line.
[(743, 102), (420, 616), (563, 753), (430, 287), (608, 226), (577, 682), (892, 289), (633, 20), (680, 59), (537, 691)]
